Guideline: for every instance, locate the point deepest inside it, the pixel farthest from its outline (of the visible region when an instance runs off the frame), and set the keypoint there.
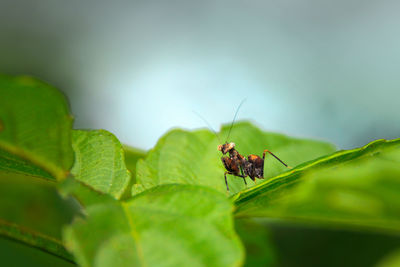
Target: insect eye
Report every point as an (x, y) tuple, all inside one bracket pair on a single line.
[(219, 147)]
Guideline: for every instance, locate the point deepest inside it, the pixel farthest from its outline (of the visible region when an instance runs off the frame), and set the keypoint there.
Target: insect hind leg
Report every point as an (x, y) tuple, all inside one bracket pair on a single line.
[(266, 150), (243, 176)]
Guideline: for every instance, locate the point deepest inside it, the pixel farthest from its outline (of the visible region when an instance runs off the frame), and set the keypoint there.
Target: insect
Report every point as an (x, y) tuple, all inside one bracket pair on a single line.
[(237, 165)]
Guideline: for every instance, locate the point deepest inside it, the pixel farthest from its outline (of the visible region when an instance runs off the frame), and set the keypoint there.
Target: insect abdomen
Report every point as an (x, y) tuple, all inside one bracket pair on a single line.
[(257, 167)]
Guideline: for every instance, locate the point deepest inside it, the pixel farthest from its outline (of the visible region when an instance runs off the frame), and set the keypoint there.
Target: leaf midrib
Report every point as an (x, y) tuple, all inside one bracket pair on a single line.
[(133, 233)]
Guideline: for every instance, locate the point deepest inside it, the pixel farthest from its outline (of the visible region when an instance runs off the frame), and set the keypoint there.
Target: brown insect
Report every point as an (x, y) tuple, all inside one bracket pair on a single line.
[(237, 165)]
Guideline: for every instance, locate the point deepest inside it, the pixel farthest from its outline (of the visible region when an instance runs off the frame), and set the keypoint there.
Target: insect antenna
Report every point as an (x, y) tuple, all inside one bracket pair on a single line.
[(209, 125), (234, 118)]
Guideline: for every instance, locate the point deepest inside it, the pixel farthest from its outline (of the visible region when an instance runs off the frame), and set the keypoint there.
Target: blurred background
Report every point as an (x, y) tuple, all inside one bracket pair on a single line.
[(312, 68)]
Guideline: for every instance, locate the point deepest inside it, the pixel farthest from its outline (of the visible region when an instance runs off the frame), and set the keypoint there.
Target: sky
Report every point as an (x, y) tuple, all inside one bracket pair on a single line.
[(316, 69)]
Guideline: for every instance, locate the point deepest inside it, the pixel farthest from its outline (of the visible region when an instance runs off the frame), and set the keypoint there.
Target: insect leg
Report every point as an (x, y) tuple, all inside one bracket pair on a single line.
[(226, 181), (234, 174), (266, 150), (244, 177)]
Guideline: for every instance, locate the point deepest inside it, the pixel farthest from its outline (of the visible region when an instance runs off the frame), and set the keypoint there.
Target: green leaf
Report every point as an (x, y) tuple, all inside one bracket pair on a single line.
[(299, 244), (354, 188), (14, 253), (33, 213), (35, 124), (192, 157), (12, 163), (34, 204), (34, 239), (132, 155), (170, 225), (99, 162), (391, 260), (257, 242)]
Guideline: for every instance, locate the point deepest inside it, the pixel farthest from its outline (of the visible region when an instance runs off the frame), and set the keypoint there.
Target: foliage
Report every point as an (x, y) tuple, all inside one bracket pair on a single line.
[(169, 206), (192, 157)]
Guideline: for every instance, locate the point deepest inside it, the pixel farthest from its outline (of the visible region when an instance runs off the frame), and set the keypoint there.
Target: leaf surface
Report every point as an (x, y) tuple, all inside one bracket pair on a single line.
[(34, 204), (257, 241), (132, 155), (34, 239), (390, 260), (12, 163), (19, 255), (170, 225), (33, 213), (100, 162), (354, 188), (35, 124)]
